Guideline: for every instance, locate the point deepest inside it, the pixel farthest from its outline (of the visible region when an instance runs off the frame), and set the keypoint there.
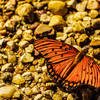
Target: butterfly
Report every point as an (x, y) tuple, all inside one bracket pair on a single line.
[(67, 65)]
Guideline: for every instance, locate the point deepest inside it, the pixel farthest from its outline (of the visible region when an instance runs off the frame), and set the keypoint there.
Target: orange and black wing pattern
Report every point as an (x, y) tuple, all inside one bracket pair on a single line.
[(60, 58)]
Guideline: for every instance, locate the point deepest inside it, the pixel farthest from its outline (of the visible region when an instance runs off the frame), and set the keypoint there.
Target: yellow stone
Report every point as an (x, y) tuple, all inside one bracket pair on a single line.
[(7, 91), (18, 79), (56, 20), (57, 7)]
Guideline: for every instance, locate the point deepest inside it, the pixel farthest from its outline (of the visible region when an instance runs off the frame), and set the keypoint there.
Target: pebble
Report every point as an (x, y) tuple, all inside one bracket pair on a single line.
[(7, 91), (96, 23), (70, 41), (57, 97), (57, 7), (11, 44), (77, 26), (28, 91), (71, 3), (35, 90), (69, 97), (83, 39), (24, 9), (43, 29), (81, 6), (61, 36), (40, 5), (38, 97), (6, 67), (11, 56), (29, 49), (93, 13), (56, 20), (45, 18), (27, 35), (17, 94), (7, 77), (10, 25), (93, 4), (96, 53), (32, 68), (23, 43), (27, 76), (10, 5), (18, 79), (95, 43), (26, 58)]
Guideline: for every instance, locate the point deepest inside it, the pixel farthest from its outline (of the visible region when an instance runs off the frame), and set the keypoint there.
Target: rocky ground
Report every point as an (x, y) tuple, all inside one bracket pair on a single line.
[(23, 73)]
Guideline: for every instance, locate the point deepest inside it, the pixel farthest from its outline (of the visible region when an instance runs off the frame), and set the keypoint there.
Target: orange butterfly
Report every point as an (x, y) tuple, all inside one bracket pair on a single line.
[(67, 65)]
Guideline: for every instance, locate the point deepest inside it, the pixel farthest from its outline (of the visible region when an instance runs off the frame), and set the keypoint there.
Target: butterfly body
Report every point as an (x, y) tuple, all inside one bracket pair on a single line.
[(68, 65)]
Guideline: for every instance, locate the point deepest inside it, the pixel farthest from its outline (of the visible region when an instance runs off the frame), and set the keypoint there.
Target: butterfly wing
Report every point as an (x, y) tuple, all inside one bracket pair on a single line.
[(87, 72), (60, 58), (59, 55)]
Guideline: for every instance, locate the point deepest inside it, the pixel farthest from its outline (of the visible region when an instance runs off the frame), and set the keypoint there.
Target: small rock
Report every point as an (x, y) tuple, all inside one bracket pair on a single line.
[(92, 4), (26, 11), (77, 26), (3, 41), (96, 53), (57, 20), (79, 15), (82, 40), (10, 5), (11, 44), (61, 36), (41, 61), (17, 94), (69, 97), (93, 13), (35, 90), (32, 68), (43, 29), (7, 91), (26, 58), (95, 43), (45, 78), (27, 35), (7, 77), (6, 67), (81, 6), (57, 7), (38, 97), (67, 30), (16, 18), (23, 43), (11, 57), (57, 97), (2, 60), (34, 26), (10, 25), (40, 5), (36, 76), (27, 76), (71, 3), (18, 79), (29, 49), (45, 18), (86, 23), (96, 23), (28, 91), (70, 41)]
